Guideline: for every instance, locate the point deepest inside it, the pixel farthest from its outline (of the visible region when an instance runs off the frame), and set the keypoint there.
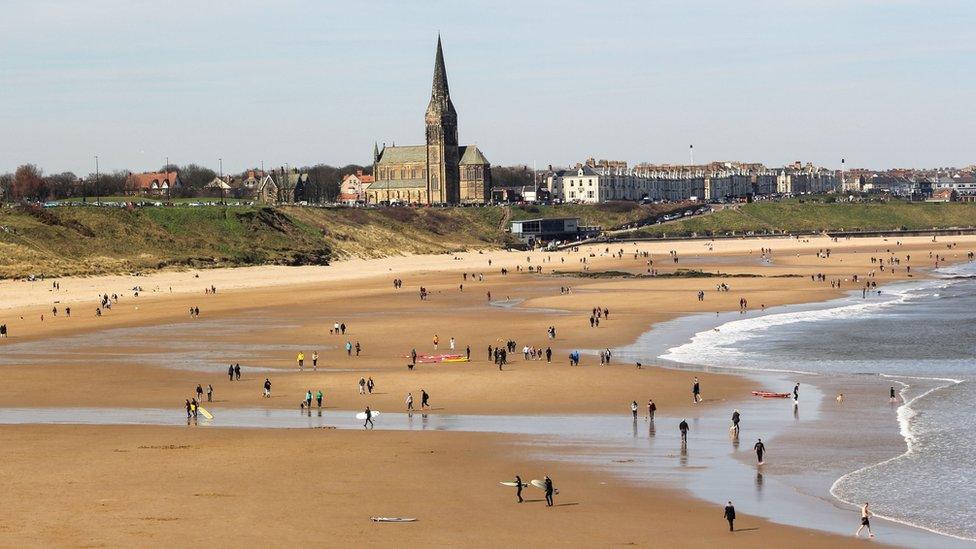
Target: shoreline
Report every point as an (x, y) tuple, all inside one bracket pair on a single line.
[(902, 415)]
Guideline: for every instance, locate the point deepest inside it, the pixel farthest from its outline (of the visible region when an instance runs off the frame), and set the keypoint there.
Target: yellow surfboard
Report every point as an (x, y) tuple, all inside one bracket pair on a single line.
[(203, 411)]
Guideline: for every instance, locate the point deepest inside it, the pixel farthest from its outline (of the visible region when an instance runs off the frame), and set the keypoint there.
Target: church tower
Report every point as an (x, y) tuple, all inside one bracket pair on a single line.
[(443, 173)]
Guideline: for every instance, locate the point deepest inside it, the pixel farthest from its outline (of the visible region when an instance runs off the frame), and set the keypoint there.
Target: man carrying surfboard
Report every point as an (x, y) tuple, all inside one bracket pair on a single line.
[(549, 491), (518, 488)]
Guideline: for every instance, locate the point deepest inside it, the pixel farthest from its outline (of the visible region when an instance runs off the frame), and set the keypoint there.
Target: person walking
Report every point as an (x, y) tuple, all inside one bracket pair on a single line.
[(362, 386), (651, 408), (760, 450), (267, 388), (683, 427), (209, 393), (865, 521), (735, 423), (315, 360), (730, 516), (633, 409), (518, 488), (436, 341), (370, 385), (301, 361), (348, 348), (424, 400), (230, 372), (409, 401), (696, 392), (369, 419), (451, 343), (548, 355), (237, 372), (308, 399), (318, 397), (199, 393), (549, 491)]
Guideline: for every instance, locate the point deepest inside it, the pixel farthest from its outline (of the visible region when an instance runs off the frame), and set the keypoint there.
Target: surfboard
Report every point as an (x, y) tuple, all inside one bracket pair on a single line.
[(203, 411), (541, 484), (362, 415), (512, 483), (392, 519)]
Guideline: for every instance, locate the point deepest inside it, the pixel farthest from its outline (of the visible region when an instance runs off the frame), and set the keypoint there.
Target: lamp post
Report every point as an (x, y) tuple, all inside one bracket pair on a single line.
[(96, 180)]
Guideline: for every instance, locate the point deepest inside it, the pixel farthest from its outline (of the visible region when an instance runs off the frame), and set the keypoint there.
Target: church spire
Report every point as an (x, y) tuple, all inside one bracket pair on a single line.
[(439, 88)]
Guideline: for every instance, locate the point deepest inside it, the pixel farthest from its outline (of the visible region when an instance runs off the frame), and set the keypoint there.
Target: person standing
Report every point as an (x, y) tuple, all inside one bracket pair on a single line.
[(348, 348), (683, 427), (267, 388), (760, 450), (891, 394), (730, 516), (237, 372), (370, 385), (651, 408), (436, 341), (315, 360), (308, 399), (362, 386), (865, 521), (230, 372), (199, 393), (318, 397), (549, 491), (409, 401), (633, 409), (467, 352), (796, 393), (301, 361), (359, 348), (209, 393), (696, 392), (548, 355), (451, 343), (518, 488), (735, 422)]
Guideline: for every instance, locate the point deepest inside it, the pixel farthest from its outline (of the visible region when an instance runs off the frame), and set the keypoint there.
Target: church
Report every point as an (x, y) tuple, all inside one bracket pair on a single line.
[(440, 172)]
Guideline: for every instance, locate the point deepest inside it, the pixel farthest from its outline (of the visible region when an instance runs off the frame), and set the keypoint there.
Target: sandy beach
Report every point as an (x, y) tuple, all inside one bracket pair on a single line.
[(135, 485)]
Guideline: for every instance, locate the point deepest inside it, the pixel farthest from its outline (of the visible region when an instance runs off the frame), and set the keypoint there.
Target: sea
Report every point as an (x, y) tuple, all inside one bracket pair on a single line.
[(918, 337)]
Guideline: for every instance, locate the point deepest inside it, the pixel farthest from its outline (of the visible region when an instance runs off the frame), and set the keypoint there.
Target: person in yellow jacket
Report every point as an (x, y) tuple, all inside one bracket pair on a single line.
[(301, 360)]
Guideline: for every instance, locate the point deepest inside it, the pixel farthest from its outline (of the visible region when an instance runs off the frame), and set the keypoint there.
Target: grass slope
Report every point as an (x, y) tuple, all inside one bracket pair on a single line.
[(794, 216)]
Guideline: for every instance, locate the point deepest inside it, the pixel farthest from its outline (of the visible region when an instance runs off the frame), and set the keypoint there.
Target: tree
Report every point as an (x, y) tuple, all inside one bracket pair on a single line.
[(194, 178), (63, 185), (512, 176), (6, 183), (28, 184)]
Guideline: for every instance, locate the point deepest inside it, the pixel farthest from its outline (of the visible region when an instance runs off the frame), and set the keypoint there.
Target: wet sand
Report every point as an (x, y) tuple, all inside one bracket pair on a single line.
[(148, 352)]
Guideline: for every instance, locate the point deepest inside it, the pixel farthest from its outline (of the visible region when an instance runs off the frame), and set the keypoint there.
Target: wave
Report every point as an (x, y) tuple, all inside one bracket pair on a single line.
[(718, 346), (905, 414)]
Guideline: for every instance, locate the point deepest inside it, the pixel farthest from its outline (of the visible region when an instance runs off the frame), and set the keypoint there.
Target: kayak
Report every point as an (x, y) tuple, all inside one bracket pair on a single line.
[(770, 394)]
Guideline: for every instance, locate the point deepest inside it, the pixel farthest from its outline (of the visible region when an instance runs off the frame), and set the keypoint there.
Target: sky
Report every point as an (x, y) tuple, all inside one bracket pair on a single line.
[(881, 83)]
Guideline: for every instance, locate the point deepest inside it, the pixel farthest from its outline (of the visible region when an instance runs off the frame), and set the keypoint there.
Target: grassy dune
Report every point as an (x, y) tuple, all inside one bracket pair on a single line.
[(794, 216)]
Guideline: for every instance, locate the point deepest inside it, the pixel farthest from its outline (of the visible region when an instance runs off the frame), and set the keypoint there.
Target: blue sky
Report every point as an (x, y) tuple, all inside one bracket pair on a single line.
[(882, 83)]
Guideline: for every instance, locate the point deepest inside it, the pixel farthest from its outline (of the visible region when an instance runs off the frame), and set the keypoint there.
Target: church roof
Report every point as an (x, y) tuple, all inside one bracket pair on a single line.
[(471, 154), (439, 87), (400, 155)]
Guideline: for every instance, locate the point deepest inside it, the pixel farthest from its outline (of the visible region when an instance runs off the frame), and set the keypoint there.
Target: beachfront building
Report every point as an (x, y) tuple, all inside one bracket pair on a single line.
[(798, 178), (153, 183), (534, 231), (352, 190), (963, 184), (438, 172)]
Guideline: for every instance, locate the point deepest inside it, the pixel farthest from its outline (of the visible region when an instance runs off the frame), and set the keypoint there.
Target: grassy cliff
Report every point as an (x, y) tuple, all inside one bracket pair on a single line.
[(85, 240), (795, 216)]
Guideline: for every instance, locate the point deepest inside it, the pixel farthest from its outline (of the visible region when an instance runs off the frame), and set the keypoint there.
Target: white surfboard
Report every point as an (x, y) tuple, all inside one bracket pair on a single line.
[(362, 415), (512, 483), (393, 519), (541, 484)]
